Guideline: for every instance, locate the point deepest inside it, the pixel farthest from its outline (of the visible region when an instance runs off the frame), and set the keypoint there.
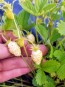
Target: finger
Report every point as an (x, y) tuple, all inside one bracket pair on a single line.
[(44, 49), (14, 63), (4, 53), (0, 37), (7, 75), (28, 51), (8, 35)]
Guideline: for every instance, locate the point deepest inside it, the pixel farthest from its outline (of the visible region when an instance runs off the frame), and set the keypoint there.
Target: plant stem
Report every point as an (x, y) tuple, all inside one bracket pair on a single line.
[(3, 37), (17, 28), (15, 22)]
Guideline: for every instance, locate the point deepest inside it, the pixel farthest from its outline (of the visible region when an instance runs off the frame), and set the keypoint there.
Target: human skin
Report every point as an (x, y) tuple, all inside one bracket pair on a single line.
[(11, 66)]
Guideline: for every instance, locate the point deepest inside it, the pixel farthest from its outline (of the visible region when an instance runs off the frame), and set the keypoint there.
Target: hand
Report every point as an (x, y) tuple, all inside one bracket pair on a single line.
[(11, 66)]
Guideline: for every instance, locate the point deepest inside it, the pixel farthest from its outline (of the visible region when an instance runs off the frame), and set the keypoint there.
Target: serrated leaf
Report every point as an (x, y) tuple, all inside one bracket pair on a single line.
[(7, 24), (61, 28), (39, 7), (42, 3), (40, 77), (54, 35), (39, 4), (59, 55), (42, 31), (22, 19), (49, 82), (51, 66), (28, 6), (34, 82), (56, 16), (61, 72), (49, 7)]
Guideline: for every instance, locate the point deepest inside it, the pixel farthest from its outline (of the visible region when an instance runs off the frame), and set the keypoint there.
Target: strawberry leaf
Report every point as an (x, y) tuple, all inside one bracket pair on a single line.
[(42, 31), (28, 6), (61, 72), (40, 77), (61, 28), (22, 19), (59, 55), (54, 35), (7, 25), (51, 66), (49, 82)]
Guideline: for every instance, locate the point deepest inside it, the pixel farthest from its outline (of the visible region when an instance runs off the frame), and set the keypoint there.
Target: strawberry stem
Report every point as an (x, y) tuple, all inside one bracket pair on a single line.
[(17, 28)]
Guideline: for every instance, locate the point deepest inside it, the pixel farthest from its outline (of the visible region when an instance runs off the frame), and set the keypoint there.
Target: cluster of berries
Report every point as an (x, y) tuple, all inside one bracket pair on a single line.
[(36, 54)]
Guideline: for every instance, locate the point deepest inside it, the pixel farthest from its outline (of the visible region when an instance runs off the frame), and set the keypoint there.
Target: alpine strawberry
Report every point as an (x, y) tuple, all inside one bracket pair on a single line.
[(14, 48), (36, 56), (31, 38)]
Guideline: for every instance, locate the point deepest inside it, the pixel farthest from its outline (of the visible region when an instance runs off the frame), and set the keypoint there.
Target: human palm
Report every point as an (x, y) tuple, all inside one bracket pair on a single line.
[(12, 66)]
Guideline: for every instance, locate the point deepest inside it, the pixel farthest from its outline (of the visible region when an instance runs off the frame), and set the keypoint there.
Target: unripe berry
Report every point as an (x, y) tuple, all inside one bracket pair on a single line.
[(31, 38), (20, 42), (14, 48), (36, 56), (9, 14)]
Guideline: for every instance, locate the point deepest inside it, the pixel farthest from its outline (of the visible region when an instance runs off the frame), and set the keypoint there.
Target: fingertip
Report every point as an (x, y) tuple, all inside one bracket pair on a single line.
[(44, 49), (7, 75), (4, 52)]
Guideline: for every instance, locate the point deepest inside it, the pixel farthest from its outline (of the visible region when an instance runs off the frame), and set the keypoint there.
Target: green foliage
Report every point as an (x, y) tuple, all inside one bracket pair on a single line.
[(7, 25), (34, 82), (49, 7), (39, 5), (56, 16), (64, 16), (42, 31), (51, 51), (54, 35), (49, 82), (22, 19), (40, 77), (61, 28), (55, 59), (60, 55), (51, 66), (38, 8), (27, 5), (61, 72)]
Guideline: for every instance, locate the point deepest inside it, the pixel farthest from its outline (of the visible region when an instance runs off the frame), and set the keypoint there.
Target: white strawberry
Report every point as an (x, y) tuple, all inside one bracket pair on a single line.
[(31, 38), (36, 56), (14, 48)]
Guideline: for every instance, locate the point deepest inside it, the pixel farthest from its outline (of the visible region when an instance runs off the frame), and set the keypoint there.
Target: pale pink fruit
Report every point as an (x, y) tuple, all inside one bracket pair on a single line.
[(28, 47), (14, 48), (36, 56), (31, 38)]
